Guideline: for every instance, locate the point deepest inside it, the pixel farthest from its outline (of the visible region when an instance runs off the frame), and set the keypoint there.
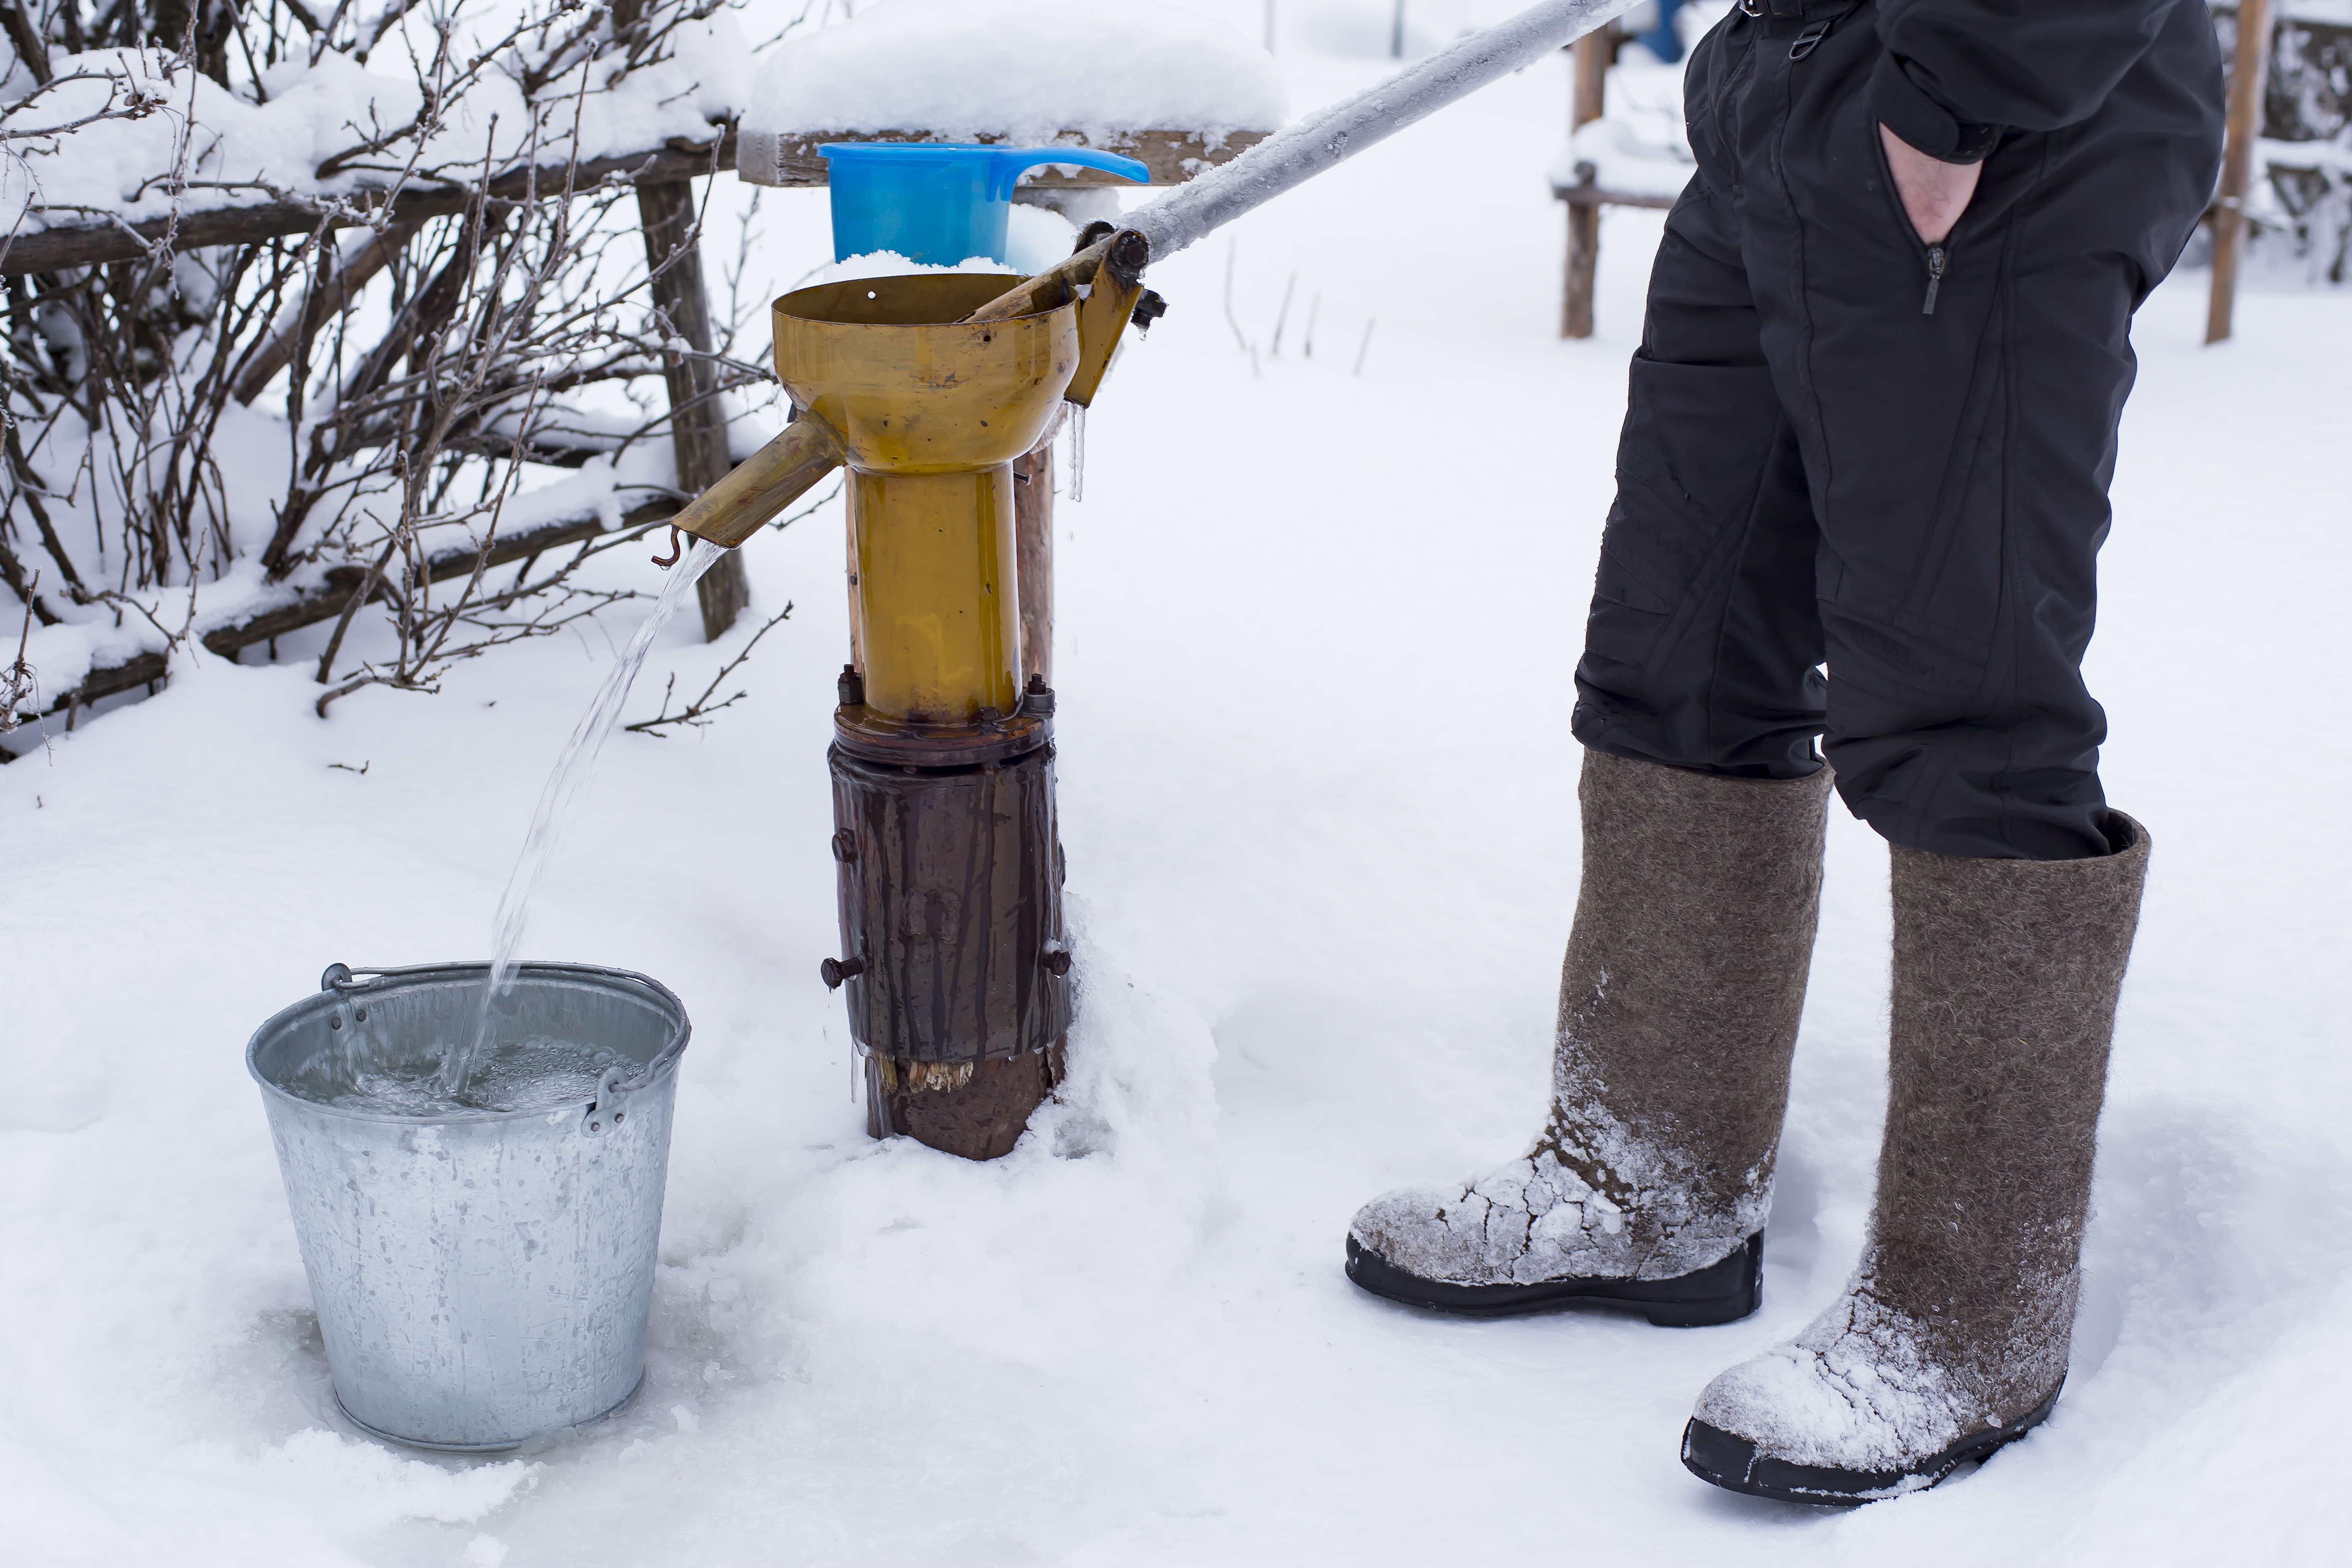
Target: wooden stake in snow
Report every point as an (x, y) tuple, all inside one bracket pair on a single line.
[(1033, 534), (2247, 72)]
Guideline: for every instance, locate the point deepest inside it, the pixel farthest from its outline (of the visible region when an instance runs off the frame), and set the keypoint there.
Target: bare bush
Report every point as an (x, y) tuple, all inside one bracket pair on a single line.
[(197, 440)]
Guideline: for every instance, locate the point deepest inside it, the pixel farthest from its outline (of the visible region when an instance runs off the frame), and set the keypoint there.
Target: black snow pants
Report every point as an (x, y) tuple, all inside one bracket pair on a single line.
[(1843, 449)]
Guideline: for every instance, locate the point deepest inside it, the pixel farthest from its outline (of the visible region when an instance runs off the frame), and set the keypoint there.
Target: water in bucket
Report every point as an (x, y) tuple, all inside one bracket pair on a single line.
[(937, 203), (538, 1072)]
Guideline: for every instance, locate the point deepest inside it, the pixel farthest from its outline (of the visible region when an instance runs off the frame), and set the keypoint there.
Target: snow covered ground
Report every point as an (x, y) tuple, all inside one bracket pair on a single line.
[(1316, 630)]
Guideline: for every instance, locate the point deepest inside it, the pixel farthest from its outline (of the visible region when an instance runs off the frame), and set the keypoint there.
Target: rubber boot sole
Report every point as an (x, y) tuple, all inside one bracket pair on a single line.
[(1733, 1463), (1721, 1293)]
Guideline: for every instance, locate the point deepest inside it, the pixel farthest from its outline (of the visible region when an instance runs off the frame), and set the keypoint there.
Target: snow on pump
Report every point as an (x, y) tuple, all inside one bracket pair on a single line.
[(482, 1276), (928, 389)]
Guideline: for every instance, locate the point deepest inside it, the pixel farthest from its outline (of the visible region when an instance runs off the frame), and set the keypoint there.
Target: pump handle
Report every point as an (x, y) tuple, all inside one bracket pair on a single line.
[(1124, 251)]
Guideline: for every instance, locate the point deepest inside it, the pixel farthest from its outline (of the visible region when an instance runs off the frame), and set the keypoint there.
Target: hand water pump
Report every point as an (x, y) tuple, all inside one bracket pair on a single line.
[(928, 389)]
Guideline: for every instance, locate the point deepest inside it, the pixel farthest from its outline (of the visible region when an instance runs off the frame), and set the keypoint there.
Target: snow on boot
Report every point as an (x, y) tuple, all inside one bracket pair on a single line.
[(1678, 1006), (1951, 1339)]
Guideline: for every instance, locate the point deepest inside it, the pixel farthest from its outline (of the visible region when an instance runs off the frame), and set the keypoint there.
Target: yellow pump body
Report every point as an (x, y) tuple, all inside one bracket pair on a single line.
[(954, 960), (930, 412)]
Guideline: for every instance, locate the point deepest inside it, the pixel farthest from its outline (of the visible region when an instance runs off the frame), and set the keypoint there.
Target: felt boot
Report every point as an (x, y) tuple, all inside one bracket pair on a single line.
[(1678, 1007), (1951, 1339)]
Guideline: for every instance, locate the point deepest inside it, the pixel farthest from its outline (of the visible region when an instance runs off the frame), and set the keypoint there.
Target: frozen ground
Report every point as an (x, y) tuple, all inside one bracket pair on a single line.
[(1316, 636)]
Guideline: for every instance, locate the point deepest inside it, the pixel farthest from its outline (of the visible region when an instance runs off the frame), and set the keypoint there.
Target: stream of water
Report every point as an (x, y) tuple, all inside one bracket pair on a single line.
[(573, 767)]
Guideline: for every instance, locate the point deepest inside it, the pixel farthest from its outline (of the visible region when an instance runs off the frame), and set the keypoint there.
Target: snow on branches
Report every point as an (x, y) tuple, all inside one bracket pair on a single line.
[(440, 416)]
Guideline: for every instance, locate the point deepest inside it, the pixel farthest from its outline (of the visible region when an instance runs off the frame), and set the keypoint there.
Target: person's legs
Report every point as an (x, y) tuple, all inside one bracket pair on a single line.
[(1702, 642), (1959, 460), (1957, 419), (1952, 1336), (1703, 806)]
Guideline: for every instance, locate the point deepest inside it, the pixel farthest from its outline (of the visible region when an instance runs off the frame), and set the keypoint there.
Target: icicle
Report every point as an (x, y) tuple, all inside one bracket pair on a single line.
[(1078, 452)]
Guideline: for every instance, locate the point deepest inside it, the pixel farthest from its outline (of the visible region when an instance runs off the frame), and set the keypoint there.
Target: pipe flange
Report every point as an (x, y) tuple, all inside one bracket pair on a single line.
[(870, 737)]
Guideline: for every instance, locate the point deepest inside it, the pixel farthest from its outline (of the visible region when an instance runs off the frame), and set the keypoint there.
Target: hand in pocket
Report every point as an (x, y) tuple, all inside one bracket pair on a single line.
[(1933, 192)]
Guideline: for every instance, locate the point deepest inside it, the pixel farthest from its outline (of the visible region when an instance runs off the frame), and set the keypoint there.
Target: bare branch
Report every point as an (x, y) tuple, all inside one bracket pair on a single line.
[(702, 709)]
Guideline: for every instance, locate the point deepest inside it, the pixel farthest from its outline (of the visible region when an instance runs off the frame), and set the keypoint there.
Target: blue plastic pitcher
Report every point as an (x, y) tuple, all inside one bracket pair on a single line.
[(937, 203)]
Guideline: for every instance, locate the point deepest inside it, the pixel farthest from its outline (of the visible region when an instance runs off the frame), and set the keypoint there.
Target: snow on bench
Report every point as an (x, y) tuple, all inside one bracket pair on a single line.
[(139, 152), (1177, 90)]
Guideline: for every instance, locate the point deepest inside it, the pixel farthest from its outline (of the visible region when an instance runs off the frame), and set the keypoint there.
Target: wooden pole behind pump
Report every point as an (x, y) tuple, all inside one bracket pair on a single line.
[(1032, 513), (698, 421)]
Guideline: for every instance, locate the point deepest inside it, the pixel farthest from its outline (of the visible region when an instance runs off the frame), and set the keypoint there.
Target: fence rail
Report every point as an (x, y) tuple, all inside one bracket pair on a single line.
[(56, 248)]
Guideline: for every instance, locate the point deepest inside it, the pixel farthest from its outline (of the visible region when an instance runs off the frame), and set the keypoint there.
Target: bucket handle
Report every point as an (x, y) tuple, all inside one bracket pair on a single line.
[(343, 979)]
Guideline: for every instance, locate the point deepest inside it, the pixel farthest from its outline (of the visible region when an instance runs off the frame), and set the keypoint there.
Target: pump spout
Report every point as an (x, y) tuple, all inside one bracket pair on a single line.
[(763, 484)]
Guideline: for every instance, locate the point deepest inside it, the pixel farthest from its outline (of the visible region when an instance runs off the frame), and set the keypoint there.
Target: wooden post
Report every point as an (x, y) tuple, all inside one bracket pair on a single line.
[(1594, 53), (2247, 74), (697, 423), (1032, 515)]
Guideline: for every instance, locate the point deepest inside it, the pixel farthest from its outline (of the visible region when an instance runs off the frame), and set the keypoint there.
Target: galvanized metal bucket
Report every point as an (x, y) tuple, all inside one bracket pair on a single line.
[(481, 1278)]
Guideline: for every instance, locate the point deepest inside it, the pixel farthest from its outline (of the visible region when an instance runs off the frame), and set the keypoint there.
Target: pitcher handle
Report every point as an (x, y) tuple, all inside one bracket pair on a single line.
[(1010, 163)]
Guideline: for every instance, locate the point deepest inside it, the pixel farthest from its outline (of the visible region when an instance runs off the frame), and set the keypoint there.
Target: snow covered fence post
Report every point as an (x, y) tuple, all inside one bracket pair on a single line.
[(2250, 65), (1594, 53)]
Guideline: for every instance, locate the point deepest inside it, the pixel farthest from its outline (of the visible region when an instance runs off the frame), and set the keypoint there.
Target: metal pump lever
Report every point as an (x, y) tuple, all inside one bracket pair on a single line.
[(1297, 153)]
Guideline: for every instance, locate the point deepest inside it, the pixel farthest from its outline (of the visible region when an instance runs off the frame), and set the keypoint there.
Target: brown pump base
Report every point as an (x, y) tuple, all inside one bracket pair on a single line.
[(977, 1109), (953, 963)]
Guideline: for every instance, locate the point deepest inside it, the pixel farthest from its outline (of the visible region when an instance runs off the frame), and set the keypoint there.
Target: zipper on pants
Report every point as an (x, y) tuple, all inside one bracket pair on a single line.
[(1939, 256), (1936, 256)]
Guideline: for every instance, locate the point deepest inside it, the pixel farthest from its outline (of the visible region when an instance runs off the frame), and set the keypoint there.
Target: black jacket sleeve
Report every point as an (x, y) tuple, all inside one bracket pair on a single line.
[(1957, 72)]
